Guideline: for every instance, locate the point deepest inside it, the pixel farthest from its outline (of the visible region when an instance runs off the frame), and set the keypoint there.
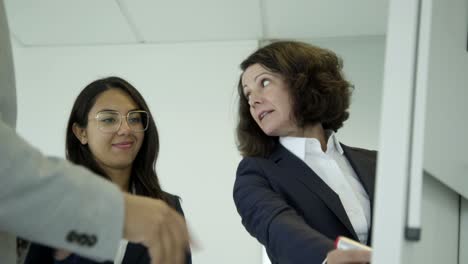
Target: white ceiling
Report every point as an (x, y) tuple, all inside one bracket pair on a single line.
[(96, 22)]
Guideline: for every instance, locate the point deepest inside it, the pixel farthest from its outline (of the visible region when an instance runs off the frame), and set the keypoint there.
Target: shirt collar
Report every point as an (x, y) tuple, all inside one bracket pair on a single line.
[(333, 142), (298, 145)]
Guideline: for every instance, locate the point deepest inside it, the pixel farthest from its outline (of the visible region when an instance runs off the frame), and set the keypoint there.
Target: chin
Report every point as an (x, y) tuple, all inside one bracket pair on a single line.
[(270, 132), (122, 163)]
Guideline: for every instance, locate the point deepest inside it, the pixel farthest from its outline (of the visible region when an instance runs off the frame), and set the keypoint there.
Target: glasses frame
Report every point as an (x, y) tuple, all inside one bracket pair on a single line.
[(121, 120)]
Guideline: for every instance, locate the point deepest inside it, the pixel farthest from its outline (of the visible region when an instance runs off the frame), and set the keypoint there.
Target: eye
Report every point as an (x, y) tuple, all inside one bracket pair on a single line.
[(265, 82), (134, 120), (108, 120)]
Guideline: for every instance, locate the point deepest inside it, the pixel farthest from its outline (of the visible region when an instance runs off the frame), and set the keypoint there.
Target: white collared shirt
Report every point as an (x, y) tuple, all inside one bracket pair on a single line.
[(121, 252), (335, 170)]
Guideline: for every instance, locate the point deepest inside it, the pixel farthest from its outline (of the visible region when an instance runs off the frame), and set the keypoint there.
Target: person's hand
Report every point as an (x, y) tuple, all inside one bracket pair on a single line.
[(157, 226), (61, 254), (339, 256)]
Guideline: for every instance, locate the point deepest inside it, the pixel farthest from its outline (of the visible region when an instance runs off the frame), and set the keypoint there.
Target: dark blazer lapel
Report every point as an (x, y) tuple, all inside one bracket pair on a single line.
[(299, 170), (364, 165)]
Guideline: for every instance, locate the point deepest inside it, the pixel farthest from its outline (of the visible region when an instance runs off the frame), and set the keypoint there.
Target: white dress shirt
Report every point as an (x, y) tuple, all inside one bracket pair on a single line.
[(121, 252), (334, 169)]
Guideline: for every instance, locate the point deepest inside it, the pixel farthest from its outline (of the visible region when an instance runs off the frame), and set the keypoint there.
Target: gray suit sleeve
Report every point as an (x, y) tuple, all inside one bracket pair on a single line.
[(53, 202)]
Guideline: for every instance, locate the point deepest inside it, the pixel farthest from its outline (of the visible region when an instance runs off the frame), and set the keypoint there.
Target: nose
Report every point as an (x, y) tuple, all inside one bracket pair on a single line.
[(254, 99), (124, 127)]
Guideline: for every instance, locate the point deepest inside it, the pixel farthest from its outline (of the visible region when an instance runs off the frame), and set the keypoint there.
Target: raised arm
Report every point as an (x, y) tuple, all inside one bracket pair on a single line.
[(268, 217)]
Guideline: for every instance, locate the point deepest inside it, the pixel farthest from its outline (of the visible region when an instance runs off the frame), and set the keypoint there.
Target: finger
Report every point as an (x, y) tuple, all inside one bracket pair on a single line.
[(169, 245), (155, 248), (61, 254), (193, 242), (180, 230), (178, 243), (180, 233), (362, 256), (349, 256)]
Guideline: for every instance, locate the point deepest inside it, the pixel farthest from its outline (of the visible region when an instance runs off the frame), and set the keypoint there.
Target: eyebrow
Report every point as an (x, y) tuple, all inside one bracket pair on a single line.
[(113, 110), (255, 79)]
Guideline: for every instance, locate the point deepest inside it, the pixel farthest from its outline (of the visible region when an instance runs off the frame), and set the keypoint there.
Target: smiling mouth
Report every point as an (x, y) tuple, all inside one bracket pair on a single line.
[(124, 145), (263, 114)]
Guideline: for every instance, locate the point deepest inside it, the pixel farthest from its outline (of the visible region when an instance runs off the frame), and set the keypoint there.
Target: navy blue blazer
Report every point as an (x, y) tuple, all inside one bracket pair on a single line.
[(134, 253), (291, 210)]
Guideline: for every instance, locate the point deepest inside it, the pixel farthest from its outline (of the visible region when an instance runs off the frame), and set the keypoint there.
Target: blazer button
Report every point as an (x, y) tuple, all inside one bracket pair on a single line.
[(92, 240), (82, 239), (72, 236)]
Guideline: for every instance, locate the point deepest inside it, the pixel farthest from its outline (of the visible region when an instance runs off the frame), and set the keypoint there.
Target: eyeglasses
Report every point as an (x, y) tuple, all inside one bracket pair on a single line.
[(111, 121)]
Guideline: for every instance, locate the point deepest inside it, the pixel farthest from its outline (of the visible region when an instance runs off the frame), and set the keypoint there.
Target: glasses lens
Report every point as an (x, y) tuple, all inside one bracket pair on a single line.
[(108, 121), (138, 120)]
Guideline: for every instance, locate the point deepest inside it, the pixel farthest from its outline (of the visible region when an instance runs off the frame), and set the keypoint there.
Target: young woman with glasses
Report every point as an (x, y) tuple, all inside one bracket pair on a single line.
[(111, 132)]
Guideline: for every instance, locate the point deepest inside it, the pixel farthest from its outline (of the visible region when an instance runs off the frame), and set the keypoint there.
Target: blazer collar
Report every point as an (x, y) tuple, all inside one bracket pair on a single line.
[(364, 166), (301, 172)]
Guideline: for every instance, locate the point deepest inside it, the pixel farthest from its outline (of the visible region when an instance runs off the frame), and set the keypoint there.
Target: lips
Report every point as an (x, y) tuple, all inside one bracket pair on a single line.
[(262, 114), (123, 145)]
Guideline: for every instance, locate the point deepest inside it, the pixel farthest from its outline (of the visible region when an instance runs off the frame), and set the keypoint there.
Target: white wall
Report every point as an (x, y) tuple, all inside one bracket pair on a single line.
[(463, 231), (363, 59), (446, 125), (190, 89), (439, 227), (441, 48)]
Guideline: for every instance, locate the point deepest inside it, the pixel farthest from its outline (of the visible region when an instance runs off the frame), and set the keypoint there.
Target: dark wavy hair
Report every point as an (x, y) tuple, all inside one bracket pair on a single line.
[(143, 174), (315, 81)]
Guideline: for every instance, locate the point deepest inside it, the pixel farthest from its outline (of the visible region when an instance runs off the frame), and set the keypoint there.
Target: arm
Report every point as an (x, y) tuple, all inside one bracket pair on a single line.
[(178, 207), (267, 216), (64, 206), (56, 203)]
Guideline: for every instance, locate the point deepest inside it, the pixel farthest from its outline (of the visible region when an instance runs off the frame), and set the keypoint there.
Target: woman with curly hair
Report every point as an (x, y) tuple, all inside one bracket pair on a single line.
[(298, 187)]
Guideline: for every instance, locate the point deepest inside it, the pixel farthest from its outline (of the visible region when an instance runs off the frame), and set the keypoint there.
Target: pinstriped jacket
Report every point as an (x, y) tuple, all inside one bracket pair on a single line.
[(45, 200)]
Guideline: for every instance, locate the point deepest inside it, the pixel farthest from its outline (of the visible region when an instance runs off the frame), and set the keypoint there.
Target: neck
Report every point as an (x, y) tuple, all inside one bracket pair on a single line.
[(314, 131), (121, 177)]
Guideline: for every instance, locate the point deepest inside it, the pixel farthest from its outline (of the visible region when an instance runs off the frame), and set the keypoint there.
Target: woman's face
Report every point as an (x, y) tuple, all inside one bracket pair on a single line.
[(112, 150), (269, 100)]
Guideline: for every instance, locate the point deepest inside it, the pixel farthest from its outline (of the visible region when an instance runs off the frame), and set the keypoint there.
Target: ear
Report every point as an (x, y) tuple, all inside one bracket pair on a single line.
[(80, 133)]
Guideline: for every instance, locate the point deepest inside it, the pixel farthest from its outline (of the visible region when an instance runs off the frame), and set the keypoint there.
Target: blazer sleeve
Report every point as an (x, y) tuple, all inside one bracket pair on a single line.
[(56, 203), (268, 217)]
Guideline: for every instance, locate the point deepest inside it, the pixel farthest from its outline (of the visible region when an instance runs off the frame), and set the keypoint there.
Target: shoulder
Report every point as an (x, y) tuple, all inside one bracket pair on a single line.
[(174, 201), (254, 172), (172, 198), (371, 154), (252, 164)]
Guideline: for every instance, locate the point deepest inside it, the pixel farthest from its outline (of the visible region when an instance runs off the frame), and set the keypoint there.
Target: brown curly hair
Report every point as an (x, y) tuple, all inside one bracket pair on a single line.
[(315, 81)]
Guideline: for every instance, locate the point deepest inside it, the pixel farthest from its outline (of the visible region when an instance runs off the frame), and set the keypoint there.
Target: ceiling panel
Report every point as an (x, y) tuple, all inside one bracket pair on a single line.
[(90, 22), (201, 20), (68, 22), (324, 18)]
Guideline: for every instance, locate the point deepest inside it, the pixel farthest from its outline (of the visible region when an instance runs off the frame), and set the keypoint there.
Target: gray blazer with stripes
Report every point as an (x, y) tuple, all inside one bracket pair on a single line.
[(49, 200)]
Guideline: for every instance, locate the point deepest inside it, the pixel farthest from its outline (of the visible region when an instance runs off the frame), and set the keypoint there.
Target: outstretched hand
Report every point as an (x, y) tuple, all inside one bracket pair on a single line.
[(161, 229)]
